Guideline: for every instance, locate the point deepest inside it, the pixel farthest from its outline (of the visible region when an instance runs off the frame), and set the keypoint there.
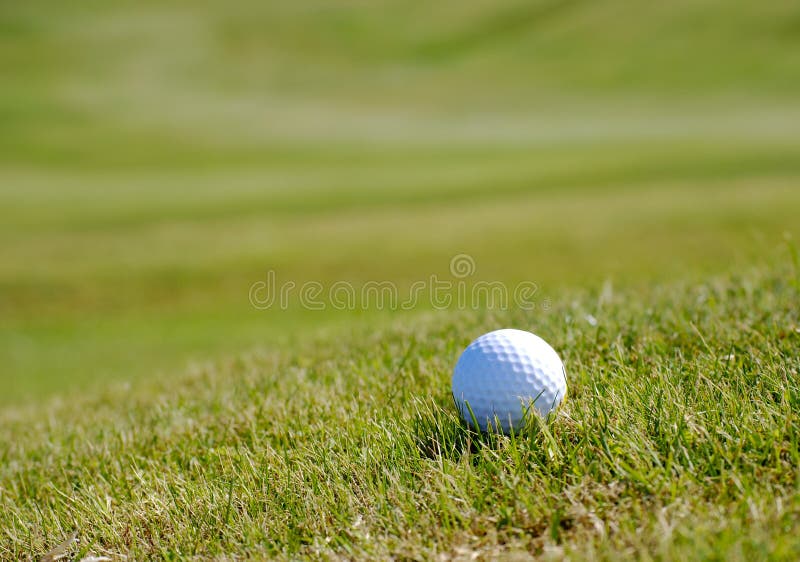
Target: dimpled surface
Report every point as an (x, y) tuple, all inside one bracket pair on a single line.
[(501, 373)]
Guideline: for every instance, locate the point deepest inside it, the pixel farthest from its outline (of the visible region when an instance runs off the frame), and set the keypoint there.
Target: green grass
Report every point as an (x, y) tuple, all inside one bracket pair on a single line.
[(135, 282), (679, 437), (638, 163)]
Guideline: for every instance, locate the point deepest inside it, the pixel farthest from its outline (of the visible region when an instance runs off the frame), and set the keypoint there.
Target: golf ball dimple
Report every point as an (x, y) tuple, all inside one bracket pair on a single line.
[(504, 374)]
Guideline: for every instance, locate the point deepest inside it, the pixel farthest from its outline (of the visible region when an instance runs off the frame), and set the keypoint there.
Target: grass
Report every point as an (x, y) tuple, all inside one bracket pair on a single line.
[(679, 438), (125, 286), (638, 163), (156, 162)]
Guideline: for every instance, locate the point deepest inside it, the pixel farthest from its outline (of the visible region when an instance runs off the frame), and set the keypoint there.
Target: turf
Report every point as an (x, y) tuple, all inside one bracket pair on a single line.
[(638, 163), (156, 161), (679, 438)]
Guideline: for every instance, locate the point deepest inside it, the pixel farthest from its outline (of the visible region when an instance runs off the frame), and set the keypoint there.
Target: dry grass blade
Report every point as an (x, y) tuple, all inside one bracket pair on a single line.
[(60, 551)]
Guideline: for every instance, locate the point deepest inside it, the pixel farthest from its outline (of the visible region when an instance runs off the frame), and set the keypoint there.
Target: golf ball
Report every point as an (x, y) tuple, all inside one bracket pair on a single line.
[(504, 374)]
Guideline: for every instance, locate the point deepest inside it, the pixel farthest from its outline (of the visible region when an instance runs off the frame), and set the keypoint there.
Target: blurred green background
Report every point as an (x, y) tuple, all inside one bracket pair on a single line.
[(157, 158)]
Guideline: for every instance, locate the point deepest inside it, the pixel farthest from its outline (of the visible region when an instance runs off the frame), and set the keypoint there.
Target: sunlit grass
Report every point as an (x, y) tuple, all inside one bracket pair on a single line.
[(637, 162), (679, 438)]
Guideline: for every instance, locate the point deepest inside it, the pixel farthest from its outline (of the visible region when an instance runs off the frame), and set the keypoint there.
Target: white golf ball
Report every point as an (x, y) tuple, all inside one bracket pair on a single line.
[(504, 374)]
